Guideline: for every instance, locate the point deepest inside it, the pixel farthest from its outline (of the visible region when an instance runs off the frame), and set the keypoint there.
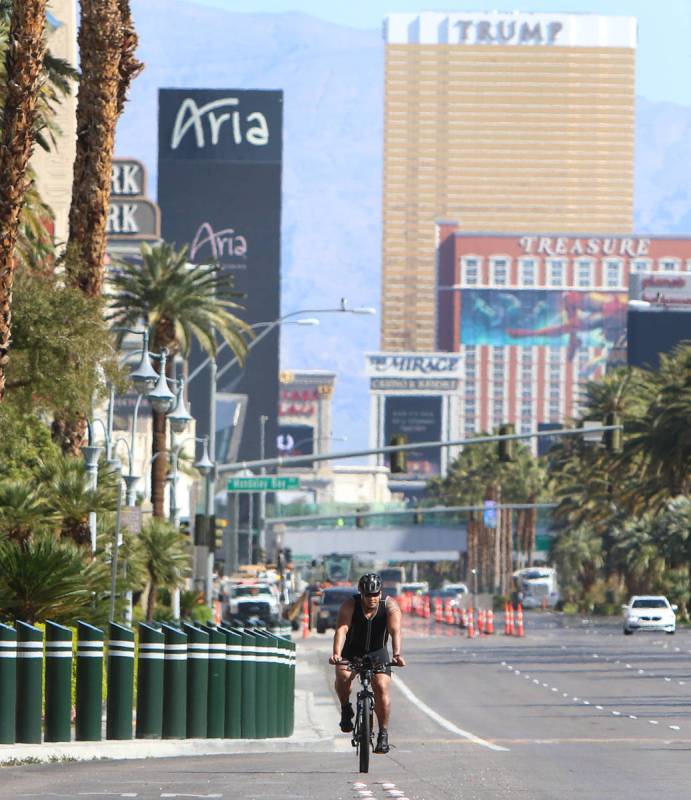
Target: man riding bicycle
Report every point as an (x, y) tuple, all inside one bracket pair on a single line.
[(363, 628)]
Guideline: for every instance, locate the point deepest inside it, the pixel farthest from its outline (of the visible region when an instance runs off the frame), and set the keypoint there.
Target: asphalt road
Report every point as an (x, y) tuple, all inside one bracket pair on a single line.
[(573, 710)]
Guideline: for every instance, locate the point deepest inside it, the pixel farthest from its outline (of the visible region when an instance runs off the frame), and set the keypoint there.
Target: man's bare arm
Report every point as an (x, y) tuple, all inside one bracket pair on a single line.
[(393, 624), (345, 617)]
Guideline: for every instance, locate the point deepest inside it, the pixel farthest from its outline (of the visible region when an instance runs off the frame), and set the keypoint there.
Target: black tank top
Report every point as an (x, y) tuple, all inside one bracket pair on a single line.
[(366, 635)]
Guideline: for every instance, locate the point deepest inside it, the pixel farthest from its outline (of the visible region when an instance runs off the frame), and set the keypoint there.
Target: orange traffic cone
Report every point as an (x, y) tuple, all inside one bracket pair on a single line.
[(543, 604), (449, 613), (437, 610), (489, 627), (481, 621), (470, 625), (508, 620), (305, 619), (519, 621), (426, 611)]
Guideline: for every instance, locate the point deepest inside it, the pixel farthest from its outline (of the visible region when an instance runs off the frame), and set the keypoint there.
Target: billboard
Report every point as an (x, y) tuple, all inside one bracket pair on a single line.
[(296, 440), (219, 190), (652, 333), (527, 317), (419, 418)]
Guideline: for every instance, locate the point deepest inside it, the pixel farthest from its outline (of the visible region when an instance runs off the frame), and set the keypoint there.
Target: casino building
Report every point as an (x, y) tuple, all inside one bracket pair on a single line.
[(534, 316), (504, 122)]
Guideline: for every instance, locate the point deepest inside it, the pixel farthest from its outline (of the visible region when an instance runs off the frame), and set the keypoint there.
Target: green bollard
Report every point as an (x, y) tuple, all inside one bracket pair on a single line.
[(291, 690), (249, 686), (216, 703), (8, 683), (283, 656), (233, 724), (29, 683), (270, 657), (89, 683), (197, 680), (149, 683), (262, 651), (174, 683), (58, 720), (120, 682)]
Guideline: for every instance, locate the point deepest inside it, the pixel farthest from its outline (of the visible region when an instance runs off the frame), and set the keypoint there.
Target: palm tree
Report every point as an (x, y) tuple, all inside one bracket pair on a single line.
[(23, 75), (164, 554), (578, 555), (65, 485), (47, 578), (23, 511), (179, 303), (107, 42)]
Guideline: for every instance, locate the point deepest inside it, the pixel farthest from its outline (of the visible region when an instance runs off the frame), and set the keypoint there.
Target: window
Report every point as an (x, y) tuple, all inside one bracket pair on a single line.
[(527, 271), (499, 270), (584, 272), (641, 265), (669, 264), (556, 272), (470, 271), (613, 272)]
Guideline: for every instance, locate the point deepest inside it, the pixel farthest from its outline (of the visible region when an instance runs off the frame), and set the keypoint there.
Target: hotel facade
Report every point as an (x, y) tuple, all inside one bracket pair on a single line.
[(503, 122)]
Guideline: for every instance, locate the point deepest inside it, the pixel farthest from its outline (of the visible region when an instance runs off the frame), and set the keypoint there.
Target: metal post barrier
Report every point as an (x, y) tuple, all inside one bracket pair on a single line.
[(216, 703), (29, 683), (282, 673), (197, 680), (89, 683), (174, 683), (291, 690), (261, 655), (8, 683), (58, 721), (273, 698), (249, 686), (120, 682), (150, 683), (233, 721)]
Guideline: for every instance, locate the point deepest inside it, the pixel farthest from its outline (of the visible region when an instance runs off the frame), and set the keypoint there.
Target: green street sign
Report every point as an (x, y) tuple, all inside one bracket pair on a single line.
[(264, 483)]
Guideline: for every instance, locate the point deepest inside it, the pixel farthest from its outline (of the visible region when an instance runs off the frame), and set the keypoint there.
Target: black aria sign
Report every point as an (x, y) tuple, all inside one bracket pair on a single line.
[(219, 190)]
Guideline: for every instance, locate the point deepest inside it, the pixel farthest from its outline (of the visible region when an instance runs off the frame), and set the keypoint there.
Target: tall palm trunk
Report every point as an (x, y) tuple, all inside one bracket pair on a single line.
[(23, 64), (107, 42)]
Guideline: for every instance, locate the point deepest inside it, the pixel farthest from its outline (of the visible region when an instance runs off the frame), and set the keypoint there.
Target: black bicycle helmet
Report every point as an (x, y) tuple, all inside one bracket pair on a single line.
[(369, 583)]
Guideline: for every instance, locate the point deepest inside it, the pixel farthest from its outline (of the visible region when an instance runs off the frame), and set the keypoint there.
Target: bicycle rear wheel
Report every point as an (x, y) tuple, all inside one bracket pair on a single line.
[(365, 735)]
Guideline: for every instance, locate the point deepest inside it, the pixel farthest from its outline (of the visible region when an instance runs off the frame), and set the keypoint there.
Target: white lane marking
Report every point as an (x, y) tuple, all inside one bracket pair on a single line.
[(535, 680), (599, 708), (586, 702), (565, 694), (682, 683), (675, 727), (359, 786), (628, 666), (641, 671), (445, 723), (616, 713), (653, 722), (632, 716), (517, 671), (668, 679), (554, 689), (165, 794), (546, 685), (575, 699)]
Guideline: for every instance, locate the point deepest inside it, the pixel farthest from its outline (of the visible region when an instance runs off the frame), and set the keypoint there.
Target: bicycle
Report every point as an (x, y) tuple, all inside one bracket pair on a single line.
[(363, 730)]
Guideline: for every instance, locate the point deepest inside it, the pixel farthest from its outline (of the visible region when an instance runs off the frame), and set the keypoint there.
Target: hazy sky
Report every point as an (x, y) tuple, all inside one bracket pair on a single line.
[(664, 50)]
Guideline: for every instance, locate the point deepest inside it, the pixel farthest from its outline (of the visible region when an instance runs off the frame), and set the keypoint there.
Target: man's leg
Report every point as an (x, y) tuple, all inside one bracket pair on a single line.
[(343, 685), (381, 683)]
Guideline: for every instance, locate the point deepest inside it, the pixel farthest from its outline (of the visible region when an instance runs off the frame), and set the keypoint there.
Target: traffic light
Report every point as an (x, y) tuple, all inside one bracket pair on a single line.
[(359, 521), (507, 448), (399, 460), (288, 555), (185, 526), (613, 439)]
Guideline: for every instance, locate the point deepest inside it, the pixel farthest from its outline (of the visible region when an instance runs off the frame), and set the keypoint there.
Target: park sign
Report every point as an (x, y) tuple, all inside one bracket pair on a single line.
[(264, 483)]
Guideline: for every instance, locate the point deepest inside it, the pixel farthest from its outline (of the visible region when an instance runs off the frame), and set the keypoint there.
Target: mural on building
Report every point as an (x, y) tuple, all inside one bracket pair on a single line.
[(570, 319)]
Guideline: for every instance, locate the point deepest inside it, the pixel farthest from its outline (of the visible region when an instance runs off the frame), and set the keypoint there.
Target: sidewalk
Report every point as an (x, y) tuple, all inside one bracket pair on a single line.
[(315, 715)]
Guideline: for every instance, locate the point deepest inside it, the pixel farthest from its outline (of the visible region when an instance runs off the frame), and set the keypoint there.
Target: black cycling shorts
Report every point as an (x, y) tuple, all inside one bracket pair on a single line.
[(379, 657)]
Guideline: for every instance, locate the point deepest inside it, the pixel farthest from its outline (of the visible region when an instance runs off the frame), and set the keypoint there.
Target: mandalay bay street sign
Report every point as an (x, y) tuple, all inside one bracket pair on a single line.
[(264, 483)]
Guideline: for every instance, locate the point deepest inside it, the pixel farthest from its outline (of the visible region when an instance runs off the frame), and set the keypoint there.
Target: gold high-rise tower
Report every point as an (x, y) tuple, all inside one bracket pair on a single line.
[(506, 123)]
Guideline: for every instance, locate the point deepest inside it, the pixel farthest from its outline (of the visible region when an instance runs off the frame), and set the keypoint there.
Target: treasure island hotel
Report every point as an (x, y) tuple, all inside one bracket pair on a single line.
[(508, 147)]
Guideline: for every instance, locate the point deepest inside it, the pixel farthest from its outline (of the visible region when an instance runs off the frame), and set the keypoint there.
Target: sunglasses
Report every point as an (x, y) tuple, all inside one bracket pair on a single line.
[(376, 594)]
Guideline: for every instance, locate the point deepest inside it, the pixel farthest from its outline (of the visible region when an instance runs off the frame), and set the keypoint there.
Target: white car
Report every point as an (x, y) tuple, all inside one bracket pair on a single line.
[(649, 613)]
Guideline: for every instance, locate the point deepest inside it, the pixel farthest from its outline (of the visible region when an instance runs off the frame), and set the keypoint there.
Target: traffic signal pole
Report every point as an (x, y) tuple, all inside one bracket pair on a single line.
[(291, 461)]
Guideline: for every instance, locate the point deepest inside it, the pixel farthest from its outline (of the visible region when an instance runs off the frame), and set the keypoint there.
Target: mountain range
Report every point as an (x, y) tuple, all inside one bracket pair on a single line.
[(333, 80)]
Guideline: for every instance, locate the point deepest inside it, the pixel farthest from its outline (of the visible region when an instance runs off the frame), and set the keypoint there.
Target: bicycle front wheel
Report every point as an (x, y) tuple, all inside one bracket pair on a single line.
[(365, 736)]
